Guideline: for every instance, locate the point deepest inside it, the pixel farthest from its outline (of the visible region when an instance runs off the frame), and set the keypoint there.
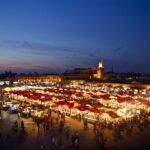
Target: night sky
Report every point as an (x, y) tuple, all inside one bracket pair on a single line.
[(55, 35)]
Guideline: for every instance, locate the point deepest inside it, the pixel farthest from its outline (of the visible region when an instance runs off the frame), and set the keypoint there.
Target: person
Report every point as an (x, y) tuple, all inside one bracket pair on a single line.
[(38, 125), (49, 114), (94, 126), (16, 126), (51, 123), (103, 143), (57, 119), (77, 136), (47, 126), (76, 142), (56, 141), (44, 126), (85, 124), (53, 140), (19, 115), (8, 136), (72, 139), (67, 131), (83, 117), (22, 125), (0, 114), (61, 124), (64, 117), (1, 137)]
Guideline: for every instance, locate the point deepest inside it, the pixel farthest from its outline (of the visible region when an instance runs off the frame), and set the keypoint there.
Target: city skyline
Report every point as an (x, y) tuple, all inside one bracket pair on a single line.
[(46, 36)]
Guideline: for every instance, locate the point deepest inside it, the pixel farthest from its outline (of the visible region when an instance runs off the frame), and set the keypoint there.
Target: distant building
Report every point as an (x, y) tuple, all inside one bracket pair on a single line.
[(82, 74), (85, 73), (39, 78)]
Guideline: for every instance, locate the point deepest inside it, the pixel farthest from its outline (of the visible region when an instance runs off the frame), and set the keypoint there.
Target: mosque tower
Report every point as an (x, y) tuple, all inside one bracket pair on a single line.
[(100, 70)]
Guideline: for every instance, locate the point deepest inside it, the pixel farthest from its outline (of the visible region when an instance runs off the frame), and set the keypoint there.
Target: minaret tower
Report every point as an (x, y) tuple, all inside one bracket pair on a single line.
[(100, 70), (100, 64)]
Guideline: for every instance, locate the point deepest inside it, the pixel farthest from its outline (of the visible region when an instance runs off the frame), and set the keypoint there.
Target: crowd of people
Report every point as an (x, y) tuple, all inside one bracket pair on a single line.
[(54, 123), (17, 131), (56, 127), (121, 129)]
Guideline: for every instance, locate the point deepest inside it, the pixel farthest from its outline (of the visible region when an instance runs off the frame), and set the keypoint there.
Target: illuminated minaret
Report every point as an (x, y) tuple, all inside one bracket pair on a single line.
[(100, 64), (100, 70)]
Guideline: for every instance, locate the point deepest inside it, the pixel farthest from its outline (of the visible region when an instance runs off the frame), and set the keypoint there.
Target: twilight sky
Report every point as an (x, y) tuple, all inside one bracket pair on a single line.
[(55, 35)]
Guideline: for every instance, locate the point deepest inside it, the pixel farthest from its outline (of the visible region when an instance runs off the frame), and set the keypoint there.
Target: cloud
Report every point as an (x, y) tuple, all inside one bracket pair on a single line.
[(44, 49), (62, 58), (25, 63)]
